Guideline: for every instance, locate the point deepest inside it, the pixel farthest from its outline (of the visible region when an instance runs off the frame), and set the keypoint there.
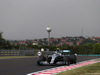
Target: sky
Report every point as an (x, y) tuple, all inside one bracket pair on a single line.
[(28, 19)]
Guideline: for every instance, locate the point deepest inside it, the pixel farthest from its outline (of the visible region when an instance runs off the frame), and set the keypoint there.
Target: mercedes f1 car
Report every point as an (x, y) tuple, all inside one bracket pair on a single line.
[(58, 58)]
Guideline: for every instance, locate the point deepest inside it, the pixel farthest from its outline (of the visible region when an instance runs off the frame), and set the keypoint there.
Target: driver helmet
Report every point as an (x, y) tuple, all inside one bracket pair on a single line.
[(58, 50)]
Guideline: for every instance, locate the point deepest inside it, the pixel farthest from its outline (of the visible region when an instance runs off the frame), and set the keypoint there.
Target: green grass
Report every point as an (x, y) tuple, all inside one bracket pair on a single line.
[(6, 57), (93, 69)]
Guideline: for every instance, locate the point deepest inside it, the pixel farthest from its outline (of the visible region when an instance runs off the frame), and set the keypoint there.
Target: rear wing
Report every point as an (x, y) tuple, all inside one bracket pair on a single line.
[(65, 52)]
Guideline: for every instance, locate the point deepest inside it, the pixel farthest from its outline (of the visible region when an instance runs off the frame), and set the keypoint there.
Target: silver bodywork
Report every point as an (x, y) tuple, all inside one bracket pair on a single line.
[(53, 57), (59, 58)]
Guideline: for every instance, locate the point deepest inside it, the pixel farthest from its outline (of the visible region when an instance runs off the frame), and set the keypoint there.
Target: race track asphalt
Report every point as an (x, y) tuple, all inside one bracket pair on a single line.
[(23, 66)]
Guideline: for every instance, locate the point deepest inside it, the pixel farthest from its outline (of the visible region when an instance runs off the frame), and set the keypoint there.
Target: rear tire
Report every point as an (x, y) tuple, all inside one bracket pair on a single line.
[(73, 58)]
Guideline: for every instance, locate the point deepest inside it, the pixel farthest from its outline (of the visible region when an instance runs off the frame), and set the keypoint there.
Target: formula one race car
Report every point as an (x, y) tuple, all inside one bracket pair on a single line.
[(58, 58)]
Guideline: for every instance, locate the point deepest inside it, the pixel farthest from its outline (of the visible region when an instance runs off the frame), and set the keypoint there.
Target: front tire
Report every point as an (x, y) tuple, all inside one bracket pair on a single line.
[(66, 60), (39, 63), (41, 58)]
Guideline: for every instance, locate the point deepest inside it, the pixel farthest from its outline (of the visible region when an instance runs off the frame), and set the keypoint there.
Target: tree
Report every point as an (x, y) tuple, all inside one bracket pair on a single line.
[(96, 48), (3, 43), (87, 41), (88, 48)]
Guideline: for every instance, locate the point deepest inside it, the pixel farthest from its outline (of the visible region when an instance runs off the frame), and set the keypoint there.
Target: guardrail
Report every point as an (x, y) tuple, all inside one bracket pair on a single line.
[(32, 53), (18, 52), (23, 52), (89, 55)]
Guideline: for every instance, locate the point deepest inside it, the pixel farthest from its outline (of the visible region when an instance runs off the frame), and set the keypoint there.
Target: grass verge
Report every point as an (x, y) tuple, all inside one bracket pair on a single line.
[(93, 69), (7, 57)]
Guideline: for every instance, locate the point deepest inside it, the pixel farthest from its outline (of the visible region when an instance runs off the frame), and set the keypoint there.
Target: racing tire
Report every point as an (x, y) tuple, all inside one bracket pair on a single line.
[(57, 59), (49, 59), (66, 60), (41, 58), (39, 63), (73, 59)]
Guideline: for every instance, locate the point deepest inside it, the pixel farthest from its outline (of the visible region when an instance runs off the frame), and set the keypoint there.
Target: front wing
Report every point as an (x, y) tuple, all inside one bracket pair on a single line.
[(57, 63)]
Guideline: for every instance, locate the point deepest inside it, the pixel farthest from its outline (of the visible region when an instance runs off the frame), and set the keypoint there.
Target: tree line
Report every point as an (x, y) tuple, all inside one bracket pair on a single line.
[(81, 49), (88, 48)]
